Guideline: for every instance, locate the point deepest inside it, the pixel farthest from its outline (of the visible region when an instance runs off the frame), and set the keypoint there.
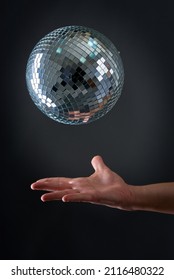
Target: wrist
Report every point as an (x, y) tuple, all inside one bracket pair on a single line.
[(138, 198)]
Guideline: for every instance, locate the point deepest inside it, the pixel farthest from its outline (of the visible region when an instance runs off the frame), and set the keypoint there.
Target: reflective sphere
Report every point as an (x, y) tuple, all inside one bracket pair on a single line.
[(75, 75)]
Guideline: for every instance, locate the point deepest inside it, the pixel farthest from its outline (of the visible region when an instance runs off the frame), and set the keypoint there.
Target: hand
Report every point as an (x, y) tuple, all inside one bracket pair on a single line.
[(102, 187)]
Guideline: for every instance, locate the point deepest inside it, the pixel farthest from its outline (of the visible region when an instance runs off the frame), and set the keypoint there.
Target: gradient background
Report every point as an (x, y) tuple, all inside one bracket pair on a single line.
[(135, 139)]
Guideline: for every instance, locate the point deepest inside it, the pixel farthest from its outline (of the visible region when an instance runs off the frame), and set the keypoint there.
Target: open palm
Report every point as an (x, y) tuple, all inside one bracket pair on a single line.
[(102, 187)]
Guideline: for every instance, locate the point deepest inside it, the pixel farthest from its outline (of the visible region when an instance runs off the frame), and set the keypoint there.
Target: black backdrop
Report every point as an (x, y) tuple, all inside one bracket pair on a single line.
[(135, 139)]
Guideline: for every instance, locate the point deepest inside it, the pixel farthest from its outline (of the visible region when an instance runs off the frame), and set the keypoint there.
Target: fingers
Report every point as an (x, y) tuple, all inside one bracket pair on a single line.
[(77, 197), (52, 184), (67, 196), (98, 164), (58, 195)]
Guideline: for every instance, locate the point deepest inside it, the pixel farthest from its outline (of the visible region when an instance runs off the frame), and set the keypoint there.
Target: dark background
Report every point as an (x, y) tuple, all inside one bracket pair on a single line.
[(135, 139)]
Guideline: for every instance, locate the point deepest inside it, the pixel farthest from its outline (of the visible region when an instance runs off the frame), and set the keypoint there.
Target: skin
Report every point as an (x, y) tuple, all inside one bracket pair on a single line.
[(105, 187)]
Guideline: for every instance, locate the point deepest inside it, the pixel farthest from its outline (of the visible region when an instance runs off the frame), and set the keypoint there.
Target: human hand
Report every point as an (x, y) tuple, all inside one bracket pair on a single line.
[(103, 187)]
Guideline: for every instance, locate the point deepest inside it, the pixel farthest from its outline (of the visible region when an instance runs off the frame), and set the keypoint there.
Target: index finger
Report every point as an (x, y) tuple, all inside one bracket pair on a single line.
[(52, 184)]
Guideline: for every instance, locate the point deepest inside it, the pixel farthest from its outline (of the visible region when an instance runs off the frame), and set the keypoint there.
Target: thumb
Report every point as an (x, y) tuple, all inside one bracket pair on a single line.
[(98, 164)]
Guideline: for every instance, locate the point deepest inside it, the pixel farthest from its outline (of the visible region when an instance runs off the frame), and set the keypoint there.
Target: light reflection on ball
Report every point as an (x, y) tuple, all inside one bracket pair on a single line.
[(75, 75)]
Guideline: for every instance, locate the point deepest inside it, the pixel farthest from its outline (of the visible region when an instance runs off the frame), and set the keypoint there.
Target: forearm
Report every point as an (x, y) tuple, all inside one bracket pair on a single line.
[(154, 197)]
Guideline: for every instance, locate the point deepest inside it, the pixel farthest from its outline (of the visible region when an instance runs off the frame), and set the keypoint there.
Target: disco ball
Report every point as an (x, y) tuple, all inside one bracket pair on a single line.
[(75, 75)]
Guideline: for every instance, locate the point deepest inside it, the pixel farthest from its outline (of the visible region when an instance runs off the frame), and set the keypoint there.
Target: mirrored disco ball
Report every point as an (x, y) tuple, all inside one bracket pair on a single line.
[(75, 75)]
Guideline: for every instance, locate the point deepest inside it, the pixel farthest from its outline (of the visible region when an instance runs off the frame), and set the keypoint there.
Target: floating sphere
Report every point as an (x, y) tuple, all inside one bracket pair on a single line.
[(75, 75)]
